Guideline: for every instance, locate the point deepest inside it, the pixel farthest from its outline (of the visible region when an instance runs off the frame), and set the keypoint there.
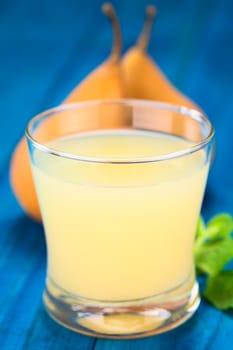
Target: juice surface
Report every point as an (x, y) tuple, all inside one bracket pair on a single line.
[(119, 231)]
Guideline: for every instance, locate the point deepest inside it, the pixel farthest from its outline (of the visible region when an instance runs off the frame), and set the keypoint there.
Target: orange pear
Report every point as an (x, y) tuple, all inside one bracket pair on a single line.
[(105, 82), (143, 78)]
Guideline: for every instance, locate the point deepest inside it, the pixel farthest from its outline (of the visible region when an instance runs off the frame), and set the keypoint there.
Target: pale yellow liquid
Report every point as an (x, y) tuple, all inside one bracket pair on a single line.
[(119, 231)]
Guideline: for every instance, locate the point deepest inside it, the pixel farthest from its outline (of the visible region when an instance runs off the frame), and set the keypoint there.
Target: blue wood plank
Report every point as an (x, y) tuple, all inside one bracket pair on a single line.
[(44, 333)]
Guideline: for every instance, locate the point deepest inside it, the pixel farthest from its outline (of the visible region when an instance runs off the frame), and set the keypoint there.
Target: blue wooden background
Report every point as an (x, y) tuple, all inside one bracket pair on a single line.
[(46, 48)]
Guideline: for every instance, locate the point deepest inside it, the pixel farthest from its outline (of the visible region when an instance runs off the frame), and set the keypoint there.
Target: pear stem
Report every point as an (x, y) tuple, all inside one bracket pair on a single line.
[(144, 37), (109, 11)]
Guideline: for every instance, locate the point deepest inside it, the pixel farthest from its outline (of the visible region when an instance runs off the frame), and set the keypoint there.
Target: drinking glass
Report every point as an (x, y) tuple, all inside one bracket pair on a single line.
[(120, 185)]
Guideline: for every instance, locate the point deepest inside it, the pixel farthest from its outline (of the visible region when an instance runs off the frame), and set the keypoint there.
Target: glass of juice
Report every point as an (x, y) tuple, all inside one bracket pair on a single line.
[(120, 185)]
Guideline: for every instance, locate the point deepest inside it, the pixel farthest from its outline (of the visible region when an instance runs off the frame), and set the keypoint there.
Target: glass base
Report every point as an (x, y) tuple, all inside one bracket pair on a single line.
[(126, 319)]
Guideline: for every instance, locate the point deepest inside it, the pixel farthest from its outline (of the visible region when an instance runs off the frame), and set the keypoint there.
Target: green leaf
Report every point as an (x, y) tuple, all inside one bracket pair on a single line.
[(211, 257), (201, 227), (219, 290), (220, 226), (213, 250)]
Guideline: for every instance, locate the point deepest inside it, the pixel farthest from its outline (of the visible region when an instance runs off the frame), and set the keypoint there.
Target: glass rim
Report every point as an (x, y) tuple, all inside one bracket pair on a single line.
[(191, 113)]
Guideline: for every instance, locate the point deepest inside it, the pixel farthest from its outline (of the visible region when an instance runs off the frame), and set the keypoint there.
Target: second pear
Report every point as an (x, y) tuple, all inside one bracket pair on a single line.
[(143, 78)]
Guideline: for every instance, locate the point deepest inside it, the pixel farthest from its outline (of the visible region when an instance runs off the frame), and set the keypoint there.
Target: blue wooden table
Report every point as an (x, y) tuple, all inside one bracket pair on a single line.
[(47, 47)]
